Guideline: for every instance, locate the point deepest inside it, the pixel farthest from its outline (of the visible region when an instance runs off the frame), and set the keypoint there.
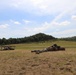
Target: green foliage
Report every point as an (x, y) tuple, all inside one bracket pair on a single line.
[(35, 38), (69, 38)]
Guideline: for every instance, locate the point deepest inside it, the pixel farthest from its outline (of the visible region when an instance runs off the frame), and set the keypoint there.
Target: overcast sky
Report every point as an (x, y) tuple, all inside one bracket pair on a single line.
[(20, 18)]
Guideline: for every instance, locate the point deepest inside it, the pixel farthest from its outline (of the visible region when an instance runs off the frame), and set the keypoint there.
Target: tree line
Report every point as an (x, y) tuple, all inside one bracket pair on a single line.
[(35, 38), (69, 38)]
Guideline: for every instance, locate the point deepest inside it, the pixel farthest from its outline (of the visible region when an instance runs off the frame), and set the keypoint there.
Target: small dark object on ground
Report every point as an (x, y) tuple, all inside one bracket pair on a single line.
[(7, 47), (54, 47)]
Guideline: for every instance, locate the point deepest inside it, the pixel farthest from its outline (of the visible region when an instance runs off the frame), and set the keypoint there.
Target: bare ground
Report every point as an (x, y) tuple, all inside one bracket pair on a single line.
[(23, 62)]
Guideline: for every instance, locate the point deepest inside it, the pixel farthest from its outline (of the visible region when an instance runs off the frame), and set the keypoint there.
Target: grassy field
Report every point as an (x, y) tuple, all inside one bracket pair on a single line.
[(22, 62), (42, 45)]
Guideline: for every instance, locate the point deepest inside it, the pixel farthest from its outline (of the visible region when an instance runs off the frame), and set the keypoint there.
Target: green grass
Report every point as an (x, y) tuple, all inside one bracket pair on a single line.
[(42, 45)]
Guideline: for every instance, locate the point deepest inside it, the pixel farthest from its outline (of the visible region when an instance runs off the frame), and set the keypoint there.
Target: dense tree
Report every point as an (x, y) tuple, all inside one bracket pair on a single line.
[(35, 38), (3, 41), (69, 38)]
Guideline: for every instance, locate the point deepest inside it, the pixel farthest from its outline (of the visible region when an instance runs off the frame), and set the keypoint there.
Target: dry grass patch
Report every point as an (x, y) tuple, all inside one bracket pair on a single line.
[(23, 62)]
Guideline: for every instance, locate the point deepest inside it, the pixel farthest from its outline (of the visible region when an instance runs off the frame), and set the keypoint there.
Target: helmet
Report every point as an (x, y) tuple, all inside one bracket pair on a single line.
[(55, 45)]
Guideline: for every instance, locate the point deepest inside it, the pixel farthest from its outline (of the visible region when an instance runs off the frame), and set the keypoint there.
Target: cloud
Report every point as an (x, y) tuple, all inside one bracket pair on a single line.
[(47, 26), (41, 7), (74, 17), (41, 28), (15, 22), (64, 33), (3, 26), (26, 21), (65, 23), (54, 24), (38, 9)]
